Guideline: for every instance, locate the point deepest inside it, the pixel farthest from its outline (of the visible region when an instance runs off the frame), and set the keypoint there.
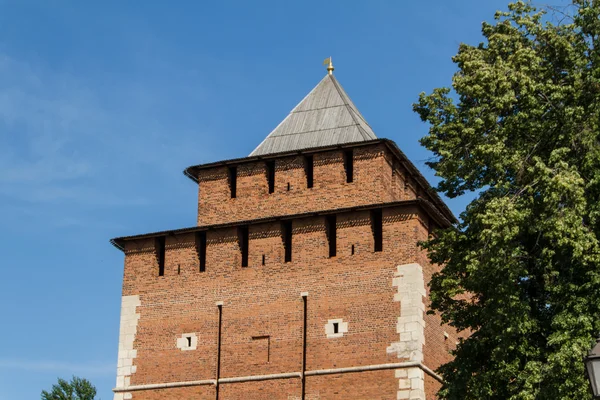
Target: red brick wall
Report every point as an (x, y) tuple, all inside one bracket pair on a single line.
[(372, 184), (432, 386), (264, 300), (262, 390), (186, 393), (439, 339), (373, 385)]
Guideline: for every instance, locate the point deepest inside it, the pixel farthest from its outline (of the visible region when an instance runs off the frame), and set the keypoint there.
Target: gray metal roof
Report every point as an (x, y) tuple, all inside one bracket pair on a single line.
[(326, 116)]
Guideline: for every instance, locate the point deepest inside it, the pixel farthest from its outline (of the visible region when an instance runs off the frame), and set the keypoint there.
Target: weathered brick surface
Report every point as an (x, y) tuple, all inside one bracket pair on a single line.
[(286, 389), (373, 385), (431, 387), (372, 184), (439, 339), (262, 312), (187, 393)]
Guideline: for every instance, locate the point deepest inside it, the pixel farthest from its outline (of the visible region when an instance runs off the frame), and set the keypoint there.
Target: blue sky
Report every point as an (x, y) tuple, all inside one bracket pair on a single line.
[(102, 105)]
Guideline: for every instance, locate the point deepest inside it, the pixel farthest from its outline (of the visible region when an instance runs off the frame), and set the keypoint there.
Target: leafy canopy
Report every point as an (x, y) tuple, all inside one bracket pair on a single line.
[(77, 389), (522, 270)]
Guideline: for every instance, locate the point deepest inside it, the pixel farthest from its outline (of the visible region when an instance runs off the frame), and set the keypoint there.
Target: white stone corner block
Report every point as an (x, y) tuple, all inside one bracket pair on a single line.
[(401, 373), (410, 282), (127, 332)]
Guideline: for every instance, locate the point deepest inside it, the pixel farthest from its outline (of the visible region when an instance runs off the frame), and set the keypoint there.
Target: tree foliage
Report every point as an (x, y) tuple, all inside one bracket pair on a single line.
[(77, 389), (522, 270)]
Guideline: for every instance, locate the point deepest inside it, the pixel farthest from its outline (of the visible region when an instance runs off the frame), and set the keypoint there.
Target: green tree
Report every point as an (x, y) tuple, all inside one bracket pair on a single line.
[(77, 389), (522, 270)]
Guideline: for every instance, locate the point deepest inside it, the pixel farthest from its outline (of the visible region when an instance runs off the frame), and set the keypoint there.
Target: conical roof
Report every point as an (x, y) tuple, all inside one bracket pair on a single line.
[(325, 117)]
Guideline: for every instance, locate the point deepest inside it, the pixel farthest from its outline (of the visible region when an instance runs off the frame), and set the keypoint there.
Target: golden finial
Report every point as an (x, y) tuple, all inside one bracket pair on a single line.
[(328, 61)]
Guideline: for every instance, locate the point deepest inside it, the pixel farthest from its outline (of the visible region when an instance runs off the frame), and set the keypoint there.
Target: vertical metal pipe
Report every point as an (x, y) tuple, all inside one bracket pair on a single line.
[(218, 371), (304, 328)]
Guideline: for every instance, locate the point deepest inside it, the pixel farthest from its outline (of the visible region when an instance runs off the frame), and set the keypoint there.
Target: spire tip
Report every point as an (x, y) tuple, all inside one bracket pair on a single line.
[(329, 62)]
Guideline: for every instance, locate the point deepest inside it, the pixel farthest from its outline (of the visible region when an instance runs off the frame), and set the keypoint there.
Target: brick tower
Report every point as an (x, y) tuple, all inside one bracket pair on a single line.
[(302, 278)]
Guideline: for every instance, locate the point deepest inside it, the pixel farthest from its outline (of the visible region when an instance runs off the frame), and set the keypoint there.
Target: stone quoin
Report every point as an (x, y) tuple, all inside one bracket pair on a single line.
[(302, 279)]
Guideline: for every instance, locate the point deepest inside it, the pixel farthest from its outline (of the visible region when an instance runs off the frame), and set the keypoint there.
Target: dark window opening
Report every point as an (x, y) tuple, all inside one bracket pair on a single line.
[(331, 228), (352, 249), (233, 181), (271, 175), (160, 255), (201, 250), (189, 340), (377, 228), (243, 240), (287, 240), (263, 259), (178, 269), (288, 187), (309, 170), (349, 165), (336, 328)]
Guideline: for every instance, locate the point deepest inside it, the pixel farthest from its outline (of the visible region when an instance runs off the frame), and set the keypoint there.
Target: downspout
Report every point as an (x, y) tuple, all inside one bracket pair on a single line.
[(218, 371), (304, 328)]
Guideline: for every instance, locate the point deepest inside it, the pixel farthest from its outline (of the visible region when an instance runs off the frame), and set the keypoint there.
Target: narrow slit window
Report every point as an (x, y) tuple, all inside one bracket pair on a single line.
[(271, 176), (377, 228), (349, 165), (233, 181), (331, 228), (352, 249), (189, 341), (263, 259), (336, 327), (201, 250), (287, 240), (309, 170), (160, 255), (243, 240)]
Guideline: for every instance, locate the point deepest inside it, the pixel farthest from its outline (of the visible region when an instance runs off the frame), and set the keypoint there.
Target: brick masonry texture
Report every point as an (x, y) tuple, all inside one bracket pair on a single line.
[(377, 179), (262, 312)]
